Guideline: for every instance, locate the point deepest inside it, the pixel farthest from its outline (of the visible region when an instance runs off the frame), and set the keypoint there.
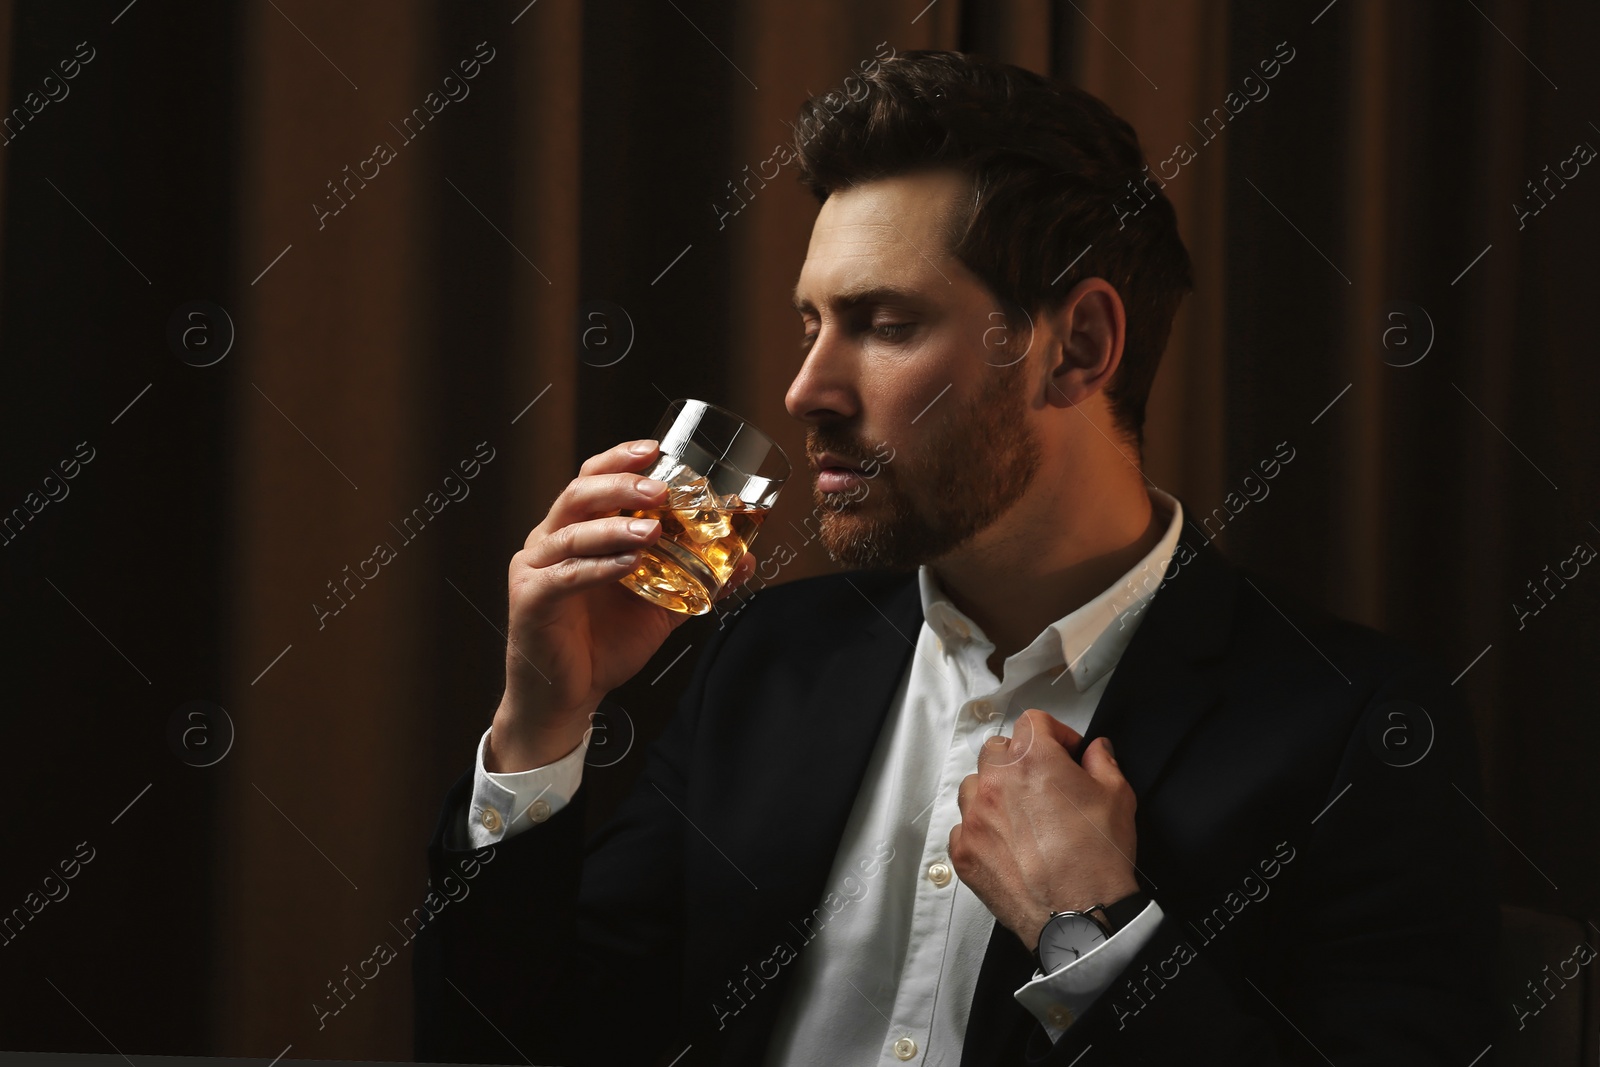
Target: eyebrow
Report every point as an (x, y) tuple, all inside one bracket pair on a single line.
[(875, 294)]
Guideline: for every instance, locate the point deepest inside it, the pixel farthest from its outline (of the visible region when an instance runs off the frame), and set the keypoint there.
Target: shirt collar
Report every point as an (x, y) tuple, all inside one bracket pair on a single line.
[(1088, 640)]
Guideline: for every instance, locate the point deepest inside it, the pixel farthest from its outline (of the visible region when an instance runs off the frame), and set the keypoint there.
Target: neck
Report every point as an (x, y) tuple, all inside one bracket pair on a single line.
[(1047, 557)]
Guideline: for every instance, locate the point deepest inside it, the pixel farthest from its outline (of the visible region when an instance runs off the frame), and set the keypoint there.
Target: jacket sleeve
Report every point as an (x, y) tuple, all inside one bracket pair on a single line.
[(551, 944), (1388, 936)]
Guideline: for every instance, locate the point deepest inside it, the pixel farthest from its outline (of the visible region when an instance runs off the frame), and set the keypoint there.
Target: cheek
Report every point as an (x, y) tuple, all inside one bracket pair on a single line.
[(912, 395), (911, 406)]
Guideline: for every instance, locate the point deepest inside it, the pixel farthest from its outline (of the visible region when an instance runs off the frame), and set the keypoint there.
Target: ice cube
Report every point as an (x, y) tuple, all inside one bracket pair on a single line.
[(681, 474), (698, 509), (705, 525), (689, 494)]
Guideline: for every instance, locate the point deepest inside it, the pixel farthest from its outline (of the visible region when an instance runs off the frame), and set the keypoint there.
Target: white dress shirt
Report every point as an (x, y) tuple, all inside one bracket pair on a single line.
[(889, 977)]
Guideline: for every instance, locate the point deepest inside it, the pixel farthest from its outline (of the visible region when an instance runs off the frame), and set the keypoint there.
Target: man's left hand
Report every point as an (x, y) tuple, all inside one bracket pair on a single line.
[(1041, 832)]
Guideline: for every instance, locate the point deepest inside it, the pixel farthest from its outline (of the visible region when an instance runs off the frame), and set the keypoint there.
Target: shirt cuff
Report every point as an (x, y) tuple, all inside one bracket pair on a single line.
[(506, 803), (1058, 998)]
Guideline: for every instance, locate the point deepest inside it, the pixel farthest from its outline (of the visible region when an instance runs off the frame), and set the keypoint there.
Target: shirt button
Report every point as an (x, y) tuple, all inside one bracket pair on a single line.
[(939, 874), (960, 629), (539, 810), (983, 710), (905, 1048), (1060, 1016), (491, 819)]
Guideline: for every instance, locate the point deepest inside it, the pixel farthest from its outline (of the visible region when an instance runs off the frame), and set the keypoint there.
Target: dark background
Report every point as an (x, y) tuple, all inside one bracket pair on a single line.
[(458, 286)]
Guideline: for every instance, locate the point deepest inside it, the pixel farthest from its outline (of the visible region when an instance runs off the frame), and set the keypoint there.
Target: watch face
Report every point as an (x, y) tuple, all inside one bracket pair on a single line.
[(1066, 938)]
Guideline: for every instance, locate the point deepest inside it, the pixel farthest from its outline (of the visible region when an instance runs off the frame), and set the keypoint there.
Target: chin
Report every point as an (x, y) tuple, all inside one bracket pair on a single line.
[(863, 544), (837, 502)]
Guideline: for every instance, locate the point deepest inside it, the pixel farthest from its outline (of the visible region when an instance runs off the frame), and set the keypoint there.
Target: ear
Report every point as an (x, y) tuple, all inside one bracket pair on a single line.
[(1088, 329)]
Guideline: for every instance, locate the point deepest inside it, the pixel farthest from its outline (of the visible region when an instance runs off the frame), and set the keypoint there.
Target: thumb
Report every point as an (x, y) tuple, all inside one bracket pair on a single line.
[(1054, 728), (1100, 760)]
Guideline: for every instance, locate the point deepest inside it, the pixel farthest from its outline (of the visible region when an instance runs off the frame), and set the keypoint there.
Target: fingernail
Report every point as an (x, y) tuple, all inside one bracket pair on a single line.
[(641, 526), (642, 448), (1112, 752), (649, 486)]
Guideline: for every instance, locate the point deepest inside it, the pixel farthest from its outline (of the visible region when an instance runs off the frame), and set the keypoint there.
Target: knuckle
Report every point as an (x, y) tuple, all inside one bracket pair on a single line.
[(565, 573), (565, 540), (524, 562)]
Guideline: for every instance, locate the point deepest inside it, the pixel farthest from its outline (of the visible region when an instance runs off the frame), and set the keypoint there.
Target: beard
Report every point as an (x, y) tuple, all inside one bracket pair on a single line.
[(971, 466)]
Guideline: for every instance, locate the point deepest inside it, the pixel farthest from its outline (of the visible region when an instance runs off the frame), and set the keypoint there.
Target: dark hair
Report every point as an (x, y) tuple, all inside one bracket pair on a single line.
[(1053, 170)]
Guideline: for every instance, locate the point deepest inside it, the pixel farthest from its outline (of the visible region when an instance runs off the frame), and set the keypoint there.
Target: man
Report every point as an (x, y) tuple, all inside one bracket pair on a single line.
[(1045, 780)]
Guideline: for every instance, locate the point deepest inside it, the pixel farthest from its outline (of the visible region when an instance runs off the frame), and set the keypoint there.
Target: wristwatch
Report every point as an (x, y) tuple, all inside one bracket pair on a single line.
[(1068, 935)]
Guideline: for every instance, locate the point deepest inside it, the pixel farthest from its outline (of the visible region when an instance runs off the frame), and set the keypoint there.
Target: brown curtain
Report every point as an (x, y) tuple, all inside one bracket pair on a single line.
[(483, 287), (394, 340), (6, 30)]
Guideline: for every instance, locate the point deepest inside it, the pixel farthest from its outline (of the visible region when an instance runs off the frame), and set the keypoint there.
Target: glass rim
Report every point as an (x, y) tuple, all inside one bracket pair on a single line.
[(747, 424)]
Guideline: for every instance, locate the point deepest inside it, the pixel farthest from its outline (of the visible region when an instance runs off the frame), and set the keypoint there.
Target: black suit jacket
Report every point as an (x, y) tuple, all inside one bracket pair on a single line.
[(1310, 836)]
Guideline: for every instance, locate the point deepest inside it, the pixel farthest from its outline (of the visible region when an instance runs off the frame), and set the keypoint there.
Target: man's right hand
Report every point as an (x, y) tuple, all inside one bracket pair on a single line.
[(576, 633)]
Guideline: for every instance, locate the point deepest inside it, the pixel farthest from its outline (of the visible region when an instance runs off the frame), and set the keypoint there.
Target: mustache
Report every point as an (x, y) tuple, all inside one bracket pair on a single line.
[(861, 458)]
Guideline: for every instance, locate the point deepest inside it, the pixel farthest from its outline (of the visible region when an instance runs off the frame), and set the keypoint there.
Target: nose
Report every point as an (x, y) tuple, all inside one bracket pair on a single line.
[(824, 389)]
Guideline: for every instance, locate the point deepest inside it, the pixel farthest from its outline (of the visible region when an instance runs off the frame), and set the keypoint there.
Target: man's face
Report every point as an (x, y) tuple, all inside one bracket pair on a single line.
[(905, 347)]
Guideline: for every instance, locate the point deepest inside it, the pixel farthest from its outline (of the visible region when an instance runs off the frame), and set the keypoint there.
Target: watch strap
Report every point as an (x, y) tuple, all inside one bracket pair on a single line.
[(1125, 910)]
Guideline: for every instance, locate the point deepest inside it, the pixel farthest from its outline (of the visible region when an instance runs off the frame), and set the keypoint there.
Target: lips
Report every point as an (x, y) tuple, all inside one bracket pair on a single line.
[(835, 473), (837, 479), (832, 461)]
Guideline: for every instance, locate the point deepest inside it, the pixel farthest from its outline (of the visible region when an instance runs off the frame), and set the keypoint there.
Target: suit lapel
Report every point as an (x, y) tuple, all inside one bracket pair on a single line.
[(821, 773), (822, 746), (1158, 692), (1159, 689)]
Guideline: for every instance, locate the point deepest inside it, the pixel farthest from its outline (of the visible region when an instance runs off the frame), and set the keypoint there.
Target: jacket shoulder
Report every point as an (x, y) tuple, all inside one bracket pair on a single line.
[(1274, 624), (1323, 686)]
